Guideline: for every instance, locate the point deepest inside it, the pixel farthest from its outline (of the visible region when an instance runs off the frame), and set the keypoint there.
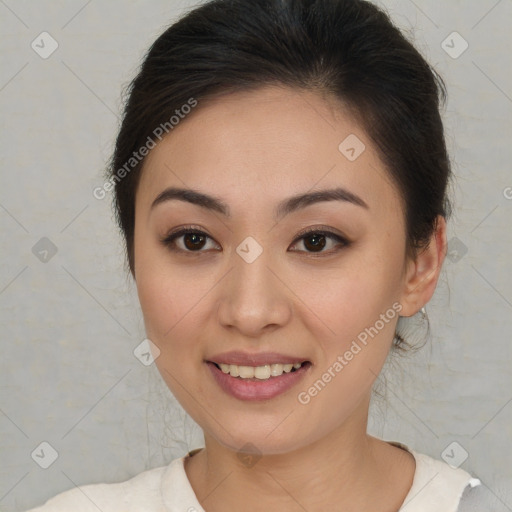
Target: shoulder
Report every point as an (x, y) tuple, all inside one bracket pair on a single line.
[(135, 494)]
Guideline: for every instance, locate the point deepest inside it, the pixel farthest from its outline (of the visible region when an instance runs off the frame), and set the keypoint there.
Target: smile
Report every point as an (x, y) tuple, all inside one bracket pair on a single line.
[(257, 381)]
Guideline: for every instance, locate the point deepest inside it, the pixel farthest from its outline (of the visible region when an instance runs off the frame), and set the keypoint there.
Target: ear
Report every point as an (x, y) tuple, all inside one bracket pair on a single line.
[(422, 274)]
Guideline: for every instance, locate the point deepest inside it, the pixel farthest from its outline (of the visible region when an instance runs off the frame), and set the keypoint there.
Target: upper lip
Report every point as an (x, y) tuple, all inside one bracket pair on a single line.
[(255, 359)]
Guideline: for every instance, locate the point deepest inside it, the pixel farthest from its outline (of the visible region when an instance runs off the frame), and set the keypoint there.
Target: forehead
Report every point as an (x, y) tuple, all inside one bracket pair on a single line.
[(254, 148)]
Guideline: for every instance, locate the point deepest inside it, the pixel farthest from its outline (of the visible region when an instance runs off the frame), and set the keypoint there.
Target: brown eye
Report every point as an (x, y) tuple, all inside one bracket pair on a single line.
[(315, 242), (193, 241), (187, 240)]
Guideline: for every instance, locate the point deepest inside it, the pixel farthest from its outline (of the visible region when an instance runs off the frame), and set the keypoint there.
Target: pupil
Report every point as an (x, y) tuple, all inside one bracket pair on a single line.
[(317, 241), (195, 240)]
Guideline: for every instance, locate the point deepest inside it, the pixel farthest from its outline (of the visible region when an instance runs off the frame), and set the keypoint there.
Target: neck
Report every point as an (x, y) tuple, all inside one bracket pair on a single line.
[(348, 467)]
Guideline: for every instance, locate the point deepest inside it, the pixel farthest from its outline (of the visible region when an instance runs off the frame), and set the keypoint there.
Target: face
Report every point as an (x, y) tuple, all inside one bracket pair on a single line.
[(251, 278)]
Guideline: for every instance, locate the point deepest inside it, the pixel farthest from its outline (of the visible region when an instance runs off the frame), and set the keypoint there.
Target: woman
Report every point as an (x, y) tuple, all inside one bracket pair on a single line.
[(280, 178)]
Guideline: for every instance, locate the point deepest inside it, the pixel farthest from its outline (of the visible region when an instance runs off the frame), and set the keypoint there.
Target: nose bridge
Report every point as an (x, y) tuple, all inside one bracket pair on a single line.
[(251, 263), (253, 298)]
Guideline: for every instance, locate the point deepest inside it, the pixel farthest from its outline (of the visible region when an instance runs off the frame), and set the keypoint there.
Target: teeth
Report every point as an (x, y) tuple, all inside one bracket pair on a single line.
[(245, 372), (276, 370), (259, 372), (262, 372)]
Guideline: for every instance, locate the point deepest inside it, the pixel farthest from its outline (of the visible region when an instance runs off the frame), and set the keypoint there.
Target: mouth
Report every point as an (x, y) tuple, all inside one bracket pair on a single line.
[(257, 383)]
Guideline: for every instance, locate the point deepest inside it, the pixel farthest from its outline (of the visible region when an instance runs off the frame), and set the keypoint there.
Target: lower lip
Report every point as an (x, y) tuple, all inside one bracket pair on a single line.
[(256, 389)]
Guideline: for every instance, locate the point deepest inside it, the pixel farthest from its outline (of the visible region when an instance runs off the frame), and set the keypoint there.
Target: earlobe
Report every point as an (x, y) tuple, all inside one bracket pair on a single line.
[(423, 273)]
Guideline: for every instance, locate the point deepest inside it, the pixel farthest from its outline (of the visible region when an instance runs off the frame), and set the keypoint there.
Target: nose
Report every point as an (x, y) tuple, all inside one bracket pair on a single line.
[(253, 298)]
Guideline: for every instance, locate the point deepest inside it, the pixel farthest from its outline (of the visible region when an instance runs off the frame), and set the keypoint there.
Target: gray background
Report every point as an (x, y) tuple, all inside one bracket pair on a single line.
[(70, 324)]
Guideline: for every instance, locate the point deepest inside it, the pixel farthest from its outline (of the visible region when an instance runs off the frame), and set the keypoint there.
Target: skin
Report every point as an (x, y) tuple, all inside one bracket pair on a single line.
[(252, 150)]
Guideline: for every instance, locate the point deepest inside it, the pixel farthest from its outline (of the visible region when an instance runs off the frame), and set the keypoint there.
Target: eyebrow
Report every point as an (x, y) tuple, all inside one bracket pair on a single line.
[(284, 208)]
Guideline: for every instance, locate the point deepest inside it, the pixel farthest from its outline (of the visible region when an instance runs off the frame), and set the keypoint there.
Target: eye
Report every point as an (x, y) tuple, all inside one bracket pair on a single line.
[(192, 240), (315, 240)]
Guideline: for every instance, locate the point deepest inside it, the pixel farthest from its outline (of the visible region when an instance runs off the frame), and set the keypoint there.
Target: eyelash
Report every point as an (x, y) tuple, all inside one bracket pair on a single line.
[(169, 239)]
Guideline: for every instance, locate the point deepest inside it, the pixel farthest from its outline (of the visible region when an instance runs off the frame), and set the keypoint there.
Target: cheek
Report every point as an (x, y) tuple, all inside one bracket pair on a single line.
[(342, 302), (164, 293), (170, 319), (174, 303), (167, 304)]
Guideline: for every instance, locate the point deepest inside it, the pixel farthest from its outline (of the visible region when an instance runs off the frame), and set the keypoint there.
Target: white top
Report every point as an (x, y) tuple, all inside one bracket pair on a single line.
[(437, 487)]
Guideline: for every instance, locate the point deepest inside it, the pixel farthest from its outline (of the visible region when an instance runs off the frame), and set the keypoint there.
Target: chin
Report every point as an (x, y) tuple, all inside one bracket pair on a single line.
[(270, 436)]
